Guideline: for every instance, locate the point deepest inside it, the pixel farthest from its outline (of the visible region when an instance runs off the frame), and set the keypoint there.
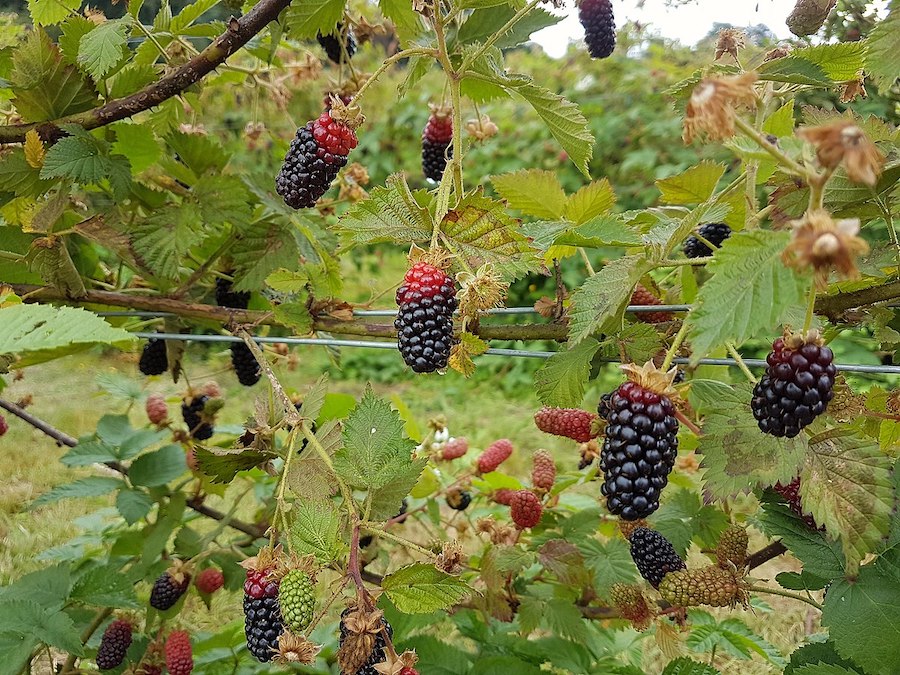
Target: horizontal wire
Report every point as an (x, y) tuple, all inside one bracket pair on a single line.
[(520, 353)]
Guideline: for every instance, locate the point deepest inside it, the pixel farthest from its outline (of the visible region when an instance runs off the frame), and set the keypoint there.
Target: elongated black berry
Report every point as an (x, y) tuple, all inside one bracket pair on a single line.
[(797, 387), (166, 591), (424, 324), (114, 645), (714, 233), (599, 25), (262, 626), (246, 367), (191, 413), (331, 43), (436, 147), (153, 359), (227, 297), (378, 654), (639, 450), (654, 555)]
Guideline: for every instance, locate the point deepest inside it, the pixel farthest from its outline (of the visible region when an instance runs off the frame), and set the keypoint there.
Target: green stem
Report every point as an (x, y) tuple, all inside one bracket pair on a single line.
[(518, 16), (688, 261), (817, 183), (676, 343), (810, 308), (786, 594), (388, 62), (587, 261), (397, 539), (326, 459), (740, 362), (282, 485), (200, 271), (453, 82), (786, 162)]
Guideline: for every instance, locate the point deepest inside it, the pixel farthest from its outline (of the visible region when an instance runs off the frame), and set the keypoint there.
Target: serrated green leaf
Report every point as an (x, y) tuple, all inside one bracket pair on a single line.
[(137, 143), (485, 23), (315, 530), (391, 214), (159, 467), (105, 586), (81, 158), (200, 153), (221, 466), (48, 587), (306, 19), (781, 122), (685, 666), (815, 653), (102, 48), (821, 558), (823, 669), (73, 29), (750, 292), (592, 200), (736, 455), (610, 562), (599, 304), (27, 618), (693, 186), (846, 486), (416, 69), (49, 12), (883, 51), (50, 258), (562, 379), (20, 178), (407, 22), (533, 191), (840, 61), (133, 505), (161, 241), (262, 248), (421, 588), (222, 198), (639, 341), (190, 13), (295, 315), (440, 658), (131, 78), (93, 486), (794, 71)]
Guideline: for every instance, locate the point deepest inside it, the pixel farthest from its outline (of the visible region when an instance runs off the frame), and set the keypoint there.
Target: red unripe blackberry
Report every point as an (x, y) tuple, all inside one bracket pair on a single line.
[(191, 410), (317, 153), (166, 591), (4, 427), (599, 24), (454, 448), (210, 580), (114, 645), (494, 455), (245, 365), (262, 614), (639, 450), (791, 494), (642, 296), (332, 44), (714, 233), (525, 509), (797, 386), (654, 555), (568, 422), (436, 144), (378, 651), (156, 409), (543, 471), (409, 671), (427, 300), (259, 585), (179, 657), (503, 496), (154, 360), (459, 500), (226, 297)]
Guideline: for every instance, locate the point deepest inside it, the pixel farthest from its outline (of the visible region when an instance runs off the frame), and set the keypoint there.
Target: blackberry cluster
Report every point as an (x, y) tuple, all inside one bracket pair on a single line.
[(654, 555), (114, 645), (245, 364), (424, 324), (317, 153), (262, 615), (714, 233), (191, 413), (166, 591), (226, 297), (436, 148), (639, 450), (377, 656), (153, 359), (796, 388), (599, 24), (332, 44)]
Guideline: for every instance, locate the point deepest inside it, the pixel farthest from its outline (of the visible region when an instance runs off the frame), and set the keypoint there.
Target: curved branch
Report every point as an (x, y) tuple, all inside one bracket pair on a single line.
[(833, 306), (239, 33)]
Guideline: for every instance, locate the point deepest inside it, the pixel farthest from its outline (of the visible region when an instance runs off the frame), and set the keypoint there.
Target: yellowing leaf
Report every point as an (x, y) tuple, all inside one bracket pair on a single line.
[(34, 149), (532, 191), (693, 186), (592, 200)]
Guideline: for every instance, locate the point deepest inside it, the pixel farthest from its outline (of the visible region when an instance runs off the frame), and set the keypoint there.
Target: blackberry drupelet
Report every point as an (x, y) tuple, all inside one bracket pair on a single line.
[(377, 655), (114, 645), (639, 450), (599, 24), (191, 413), (424, 324), (226, 297), (245, 365), (332, 44), (654, 555), (714, 233), (436, 147), (167, 591), (319, 150), (797, 386), (153, 359), (604, 407)]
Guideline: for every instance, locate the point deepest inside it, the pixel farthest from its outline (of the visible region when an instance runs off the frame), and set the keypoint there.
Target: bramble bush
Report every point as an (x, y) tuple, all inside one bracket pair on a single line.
[(148, 167)]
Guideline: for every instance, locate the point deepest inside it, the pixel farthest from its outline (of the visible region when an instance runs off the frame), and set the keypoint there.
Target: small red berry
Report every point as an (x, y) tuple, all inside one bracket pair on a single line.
[(455, 448), (210, 580), (568, 422), (409, 671), (258, 584), (791, 494), (157, 410), (642, 296), (503, 496), (4, 427), (494, 455), (179, 658), (543, 472), (525, 509)]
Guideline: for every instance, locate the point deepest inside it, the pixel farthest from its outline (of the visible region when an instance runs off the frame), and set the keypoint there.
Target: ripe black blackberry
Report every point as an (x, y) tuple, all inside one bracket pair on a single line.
[(436, 147), (797, 386), (599, 24), (377, 655), (714, 233), (604, 408), (459, 500), (262, 626), (153, 359), (424, 324), (114, 645), (317, 153), (245, 364), (641, 443), (226, 297), (331, 43), (167, 590), (191, 411), (654, 555)]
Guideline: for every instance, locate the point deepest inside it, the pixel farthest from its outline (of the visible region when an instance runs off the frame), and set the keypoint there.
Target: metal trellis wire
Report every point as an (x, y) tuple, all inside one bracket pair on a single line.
[(516, 353)]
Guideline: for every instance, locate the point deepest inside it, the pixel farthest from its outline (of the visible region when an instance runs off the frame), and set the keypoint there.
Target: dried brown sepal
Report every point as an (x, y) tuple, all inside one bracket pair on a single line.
[(854, 89), (394, 665), (823, 245), (652, 378), (780, 52), (481, 128), (843, 142), (796, 339), (362, 627), (627, 527), (296, 649), (365, 31), (439, 257), (265, 559), (631, 604), (450, 558), (730, 41), (480, 291), (549, 308), (347, 113), (591, 450), (286, 563), (305, 71), (499, 533), (712, 107), (179, 571), (846, 406)]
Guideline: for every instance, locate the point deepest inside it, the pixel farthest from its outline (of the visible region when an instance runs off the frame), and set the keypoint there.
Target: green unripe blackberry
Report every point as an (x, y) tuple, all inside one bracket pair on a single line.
[(297, 598)]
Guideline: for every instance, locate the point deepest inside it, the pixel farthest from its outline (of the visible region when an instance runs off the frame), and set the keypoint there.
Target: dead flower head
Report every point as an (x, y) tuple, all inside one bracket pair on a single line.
[(731, 40), (824, 244), (295, 649), (307, 70), (482, 128), (711, 108), (844, 142), (854, 88), (362, 626), (480, 291), (450, 558)]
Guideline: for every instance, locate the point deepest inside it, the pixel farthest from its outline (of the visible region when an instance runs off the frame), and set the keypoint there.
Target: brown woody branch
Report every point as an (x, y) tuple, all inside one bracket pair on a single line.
[(239, 33), (63, 438), (833, 306)]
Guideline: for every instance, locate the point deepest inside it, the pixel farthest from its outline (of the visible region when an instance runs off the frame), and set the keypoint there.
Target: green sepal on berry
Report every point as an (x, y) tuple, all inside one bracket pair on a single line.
[(297, 597), (711, 586)]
